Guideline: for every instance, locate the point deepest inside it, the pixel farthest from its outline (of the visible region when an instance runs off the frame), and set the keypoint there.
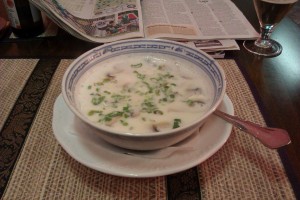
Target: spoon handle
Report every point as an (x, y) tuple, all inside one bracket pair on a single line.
[(270, 137)]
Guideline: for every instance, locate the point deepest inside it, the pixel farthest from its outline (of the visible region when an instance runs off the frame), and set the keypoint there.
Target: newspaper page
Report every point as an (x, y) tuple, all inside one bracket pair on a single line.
[(110, 20), (96, 20), (168, 19), (195, 19)]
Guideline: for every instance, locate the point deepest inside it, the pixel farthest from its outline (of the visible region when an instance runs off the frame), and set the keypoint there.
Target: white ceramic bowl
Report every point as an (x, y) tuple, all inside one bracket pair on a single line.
[(148, 141)]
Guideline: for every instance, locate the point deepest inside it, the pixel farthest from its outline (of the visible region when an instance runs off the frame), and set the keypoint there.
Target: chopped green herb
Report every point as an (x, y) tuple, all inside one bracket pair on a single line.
[(96, 100), (150, 89), (111, 115), (92, 112), (148, 105), (176, 123), (137, 65), (105, 80), (139, 75), (117, 98), (159, 112), (190, 102), (126, 108), (124, 123), (193, 102)]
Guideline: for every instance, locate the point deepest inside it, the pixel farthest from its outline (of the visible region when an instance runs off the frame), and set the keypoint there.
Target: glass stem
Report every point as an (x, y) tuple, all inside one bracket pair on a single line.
[(265, 35)]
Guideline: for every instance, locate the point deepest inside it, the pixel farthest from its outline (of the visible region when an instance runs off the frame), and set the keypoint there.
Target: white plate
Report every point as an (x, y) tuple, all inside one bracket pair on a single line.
[(90, 150)]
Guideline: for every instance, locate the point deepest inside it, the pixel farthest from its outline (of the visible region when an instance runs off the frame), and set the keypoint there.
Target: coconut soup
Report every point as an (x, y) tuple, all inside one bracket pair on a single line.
[(143, 93)]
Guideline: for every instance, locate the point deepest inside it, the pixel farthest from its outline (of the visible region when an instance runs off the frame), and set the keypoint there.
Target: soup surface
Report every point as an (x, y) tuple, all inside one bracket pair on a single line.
[(142, 93)]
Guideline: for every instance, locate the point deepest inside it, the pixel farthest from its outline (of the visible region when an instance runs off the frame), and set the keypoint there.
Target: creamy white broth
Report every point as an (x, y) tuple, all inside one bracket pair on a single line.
[(142, 93)]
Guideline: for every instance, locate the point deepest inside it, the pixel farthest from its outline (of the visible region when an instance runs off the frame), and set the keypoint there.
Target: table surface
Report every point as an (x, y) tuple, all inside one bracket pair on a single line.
[(275, 81)]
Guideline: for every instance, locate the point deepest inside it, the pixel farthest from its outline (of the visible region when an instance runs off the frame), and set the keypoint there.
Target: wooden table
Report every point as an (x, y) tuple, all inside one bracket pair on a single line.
[(275, 82)]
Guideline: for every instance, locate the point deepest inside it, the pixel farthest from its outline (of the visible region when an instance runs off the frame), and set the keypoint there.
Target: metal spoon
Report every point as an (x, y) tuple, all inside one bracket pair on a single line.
[(270, 137)]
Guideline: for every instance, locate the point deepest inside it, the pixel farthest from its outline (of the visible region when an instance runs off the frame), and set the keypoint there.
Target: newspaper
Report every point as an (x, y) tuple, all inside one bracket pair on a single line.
[(104, 21), (195, 19)]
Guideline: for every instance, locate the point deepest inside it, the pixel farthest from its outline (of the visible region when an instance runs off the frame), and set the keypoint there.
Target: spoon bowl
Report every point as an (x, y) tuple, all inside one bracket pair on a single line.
[(272, 138)]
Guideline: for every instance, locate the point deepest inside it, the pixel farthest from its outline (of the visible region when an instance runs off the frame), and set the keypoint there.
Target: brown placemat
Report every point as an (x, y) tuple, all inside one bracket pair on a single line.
[(242, 169), (13, 76)]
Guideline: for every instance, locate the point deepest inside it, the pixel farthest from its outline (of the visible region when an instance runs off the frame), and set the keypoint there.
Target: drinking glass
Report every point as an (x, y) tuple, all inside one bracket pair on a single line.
[(269, 13)]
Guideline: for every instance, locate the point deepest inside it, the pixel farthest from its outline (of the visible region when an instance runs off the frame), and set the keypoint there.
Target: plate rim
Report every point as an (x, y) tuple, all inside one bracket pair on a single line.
[(227, 107)]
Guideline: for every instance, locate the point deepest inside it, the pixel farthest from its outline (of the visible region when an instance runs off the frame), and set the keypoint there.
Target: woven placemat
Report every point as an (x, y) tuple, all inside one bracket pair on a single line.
[(242, 169), (13, 76)]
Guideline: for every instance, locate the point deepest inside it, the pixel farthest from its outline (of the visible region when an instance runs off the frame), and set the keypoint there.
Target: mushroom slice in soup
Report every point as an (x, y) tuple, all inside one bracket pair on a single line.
[(197, 97), (160, 126), (194, 90), (117, 69)]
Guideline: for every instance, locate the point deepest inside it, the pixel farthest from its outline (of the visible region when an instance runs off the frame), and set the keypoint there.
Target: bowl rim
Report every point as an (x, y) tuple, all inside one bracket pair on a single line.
[(147, 134)]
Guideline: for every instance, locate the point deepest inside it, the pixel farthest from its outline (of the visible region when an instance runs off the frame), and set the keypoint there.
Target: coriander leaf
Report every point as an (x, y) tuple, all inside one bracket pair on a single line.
[(176, 123), (97, 100), (137, 65), (92, 112)]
